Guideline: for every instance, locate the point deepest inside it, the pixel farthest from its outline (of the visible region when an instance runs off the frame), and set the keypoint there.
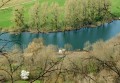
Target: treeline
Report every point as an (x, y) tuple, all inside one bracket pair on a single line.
[(73, 15)]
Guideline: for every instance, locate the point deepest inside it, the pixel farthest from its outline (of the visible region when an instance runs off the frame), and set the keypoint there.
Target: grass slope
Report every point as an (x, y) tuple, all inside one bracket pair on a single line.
[(6, 14), (115, 9)]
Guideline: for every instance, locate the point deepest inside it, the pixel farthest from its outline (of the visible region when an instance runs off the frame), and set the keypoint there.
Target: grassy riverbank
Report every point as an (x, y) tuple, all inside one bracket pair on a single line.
[(115, 8), (6, 15), (6, 12)]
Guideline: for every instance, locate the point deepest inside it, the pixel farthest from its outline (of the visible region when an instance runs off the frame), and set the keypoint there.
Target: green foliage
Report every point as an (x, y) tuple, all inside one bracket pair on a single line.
[(73, 13), (92, 67), (57, 16), (35, 16), (44, 20), (79, 13)]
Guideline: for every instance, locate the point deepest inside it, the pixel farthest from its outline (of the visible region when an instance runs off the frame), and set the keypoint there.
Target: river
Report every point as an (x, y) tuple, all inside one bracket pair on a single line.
[(77, 38)]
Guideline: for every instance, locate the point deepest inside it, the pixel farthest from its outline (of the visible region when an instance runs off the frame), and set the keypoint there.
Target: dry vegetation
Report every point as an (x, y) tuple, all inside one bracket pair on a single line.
[(97, 63)]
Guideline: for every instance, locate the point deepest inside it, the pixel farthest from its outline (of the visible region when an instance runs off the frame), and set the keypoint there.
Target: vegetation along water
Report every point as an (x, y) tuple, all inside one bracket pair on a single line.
[(55, 15), (59, 41), (75, 38)]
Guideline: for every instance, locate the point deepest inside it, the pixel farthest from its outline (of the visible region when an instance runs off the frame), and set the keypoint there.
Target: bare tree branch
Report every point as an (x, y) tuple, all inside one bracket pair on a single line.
[(4, 3)]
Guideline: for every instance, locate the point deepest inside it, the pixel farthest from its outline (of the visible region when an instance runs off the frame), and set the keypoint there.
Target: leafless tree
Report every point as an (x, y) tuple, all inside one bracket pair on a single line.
[(4, 3)]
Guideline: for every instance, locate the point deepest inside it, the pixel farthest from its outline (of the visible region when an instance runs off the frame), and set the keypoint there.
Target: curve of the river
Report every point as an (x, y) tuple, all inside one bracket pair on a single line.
[(77, 38)]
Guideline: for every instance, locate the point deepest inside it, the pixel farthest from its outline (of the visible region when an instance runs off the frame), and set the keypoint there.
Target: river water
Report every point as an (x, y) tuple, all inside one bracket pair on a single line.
[(77, 38)]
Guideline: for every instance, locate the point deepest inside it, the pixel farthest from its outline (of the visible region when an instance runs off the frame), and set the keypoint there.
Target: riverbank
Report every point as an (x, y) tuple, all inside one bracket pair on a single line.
[(6, 14), (17, 31), (75, 38), (57, 18)]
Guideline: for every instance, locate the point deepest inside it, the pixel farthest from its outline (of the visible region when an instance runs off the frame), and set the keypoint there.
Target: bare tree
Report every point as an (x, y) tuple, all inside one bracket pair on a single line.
[(18, 17), (4, 2)]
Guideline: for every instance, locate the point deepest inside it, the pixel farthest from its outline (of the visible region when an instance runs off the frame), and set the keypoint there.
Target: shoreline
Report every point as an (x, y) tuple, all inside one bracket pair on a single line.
[(18, 31)]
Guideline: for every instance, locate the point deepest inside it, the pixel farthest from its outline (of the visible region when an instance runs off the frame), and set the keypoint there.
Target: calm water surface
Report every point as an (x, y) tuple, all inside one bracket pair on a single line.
[(76, 38)]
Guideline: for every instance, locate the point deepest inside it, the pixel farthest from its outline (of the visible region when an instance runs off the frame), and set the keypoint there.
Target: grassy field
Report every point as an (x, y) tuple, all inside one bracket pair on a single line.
[(115, 9), (6, 11)]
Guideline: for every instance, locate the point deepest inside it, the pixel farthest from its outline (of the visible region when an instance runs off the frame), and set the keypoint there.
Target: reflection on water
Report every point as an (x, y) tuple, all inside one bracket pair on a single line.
[(76, 38)]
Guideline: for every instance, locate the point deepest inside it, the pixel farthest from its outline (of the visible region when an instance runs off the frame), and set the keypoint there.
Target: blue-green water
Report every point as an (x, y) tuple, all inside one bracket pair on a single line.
[(77, 38)]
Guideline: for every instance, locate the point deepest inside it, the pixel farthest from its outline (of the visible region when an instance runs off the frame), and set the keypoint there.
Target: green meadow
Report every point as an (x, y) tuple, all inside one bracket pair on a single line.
[(115, 8), (7, 13)]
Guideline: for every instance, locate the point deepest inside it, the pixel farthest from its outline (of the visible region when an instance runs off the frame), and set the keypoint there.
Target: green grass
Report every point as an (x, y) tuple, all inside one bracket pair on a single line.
[(115, 9), (5, 17), (60, 2), (6, 14)]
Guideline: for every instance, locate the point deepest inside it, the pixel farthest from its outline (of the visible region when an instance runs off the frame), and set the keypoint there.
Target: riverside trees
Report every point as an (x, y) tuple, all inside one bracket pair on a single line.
[(86, 12), (73, 12), (55, 16), (19, 17), (35, 16), (44, 15), (73, 15)]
